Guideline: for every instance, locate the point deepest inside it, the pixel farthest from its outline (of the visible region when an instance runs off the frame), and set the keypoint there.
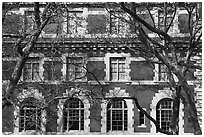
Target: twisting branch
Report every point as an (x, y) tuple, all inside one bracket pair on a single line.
[(25, 53), (169, 26), (153, 29), (37, 14), (188, 65)]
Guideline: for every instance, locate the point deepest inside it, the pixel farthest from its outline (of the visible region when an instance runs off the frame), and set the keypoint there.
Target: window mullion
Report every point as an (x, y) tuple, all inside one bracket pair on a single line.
[(24, 128), (111, 129), (117, 69), (79, 115), (160, 115), (123, 116), (68, 111), (36, 124), (32, 71)]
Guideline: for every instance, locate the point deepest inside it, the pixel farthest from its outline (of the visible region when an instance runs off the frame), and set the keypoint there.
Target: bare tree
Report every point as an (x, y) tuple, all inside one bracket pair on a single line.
[(162, 51), (165, 51)]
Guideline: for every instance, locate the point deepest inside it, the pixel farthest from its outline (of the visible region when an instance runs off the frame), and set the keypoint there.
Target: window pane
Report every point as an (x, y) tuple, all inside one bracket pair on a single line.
[(74, 22), (117, 68), (28, 71), (35, 71), (117, 104), (114, 76), (141, 118), (121, 67), (113, 67), (74, 68)]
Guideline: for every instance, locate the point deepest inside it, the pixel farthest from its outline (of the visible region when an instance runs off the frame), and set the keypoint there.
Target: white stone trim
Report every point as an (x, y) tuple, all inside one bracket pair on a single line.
[(96, 59), (166, 93), (118, 92), (127, 64), (26, 93), (71, 93), (30, 92)]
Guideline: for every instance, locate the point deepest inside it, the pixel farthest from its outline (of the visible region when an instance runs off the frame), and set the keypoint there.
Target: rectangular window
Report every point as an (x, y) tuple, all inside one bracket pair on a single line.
[(74, 21), (31, 70), (141, 118), (117, 68), (74, 68), (162, 72), (161, 19), (117, 23), (52, 70)]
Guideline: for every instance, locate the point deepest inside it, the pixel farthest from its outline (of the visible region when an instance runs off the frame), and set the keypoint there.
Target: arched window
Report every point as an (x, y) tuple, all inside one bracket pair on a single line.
[(164, 111), (73, 115), (117, 115), (30, 115)]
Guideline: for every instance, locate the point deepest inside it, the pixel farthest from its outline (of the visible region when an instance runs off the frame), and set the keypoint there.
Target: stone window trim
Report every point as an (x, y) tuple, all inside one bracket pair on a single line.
[(26, 93), (107, 59), (64, 67), (165, 93), (118, 92), (143, 125), (70, 93)]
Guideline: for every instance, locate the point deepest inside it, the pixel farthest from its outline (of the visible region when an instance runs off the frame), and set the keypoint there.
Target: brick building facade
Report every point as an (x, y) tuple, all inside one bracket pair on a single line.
[(68, 65)]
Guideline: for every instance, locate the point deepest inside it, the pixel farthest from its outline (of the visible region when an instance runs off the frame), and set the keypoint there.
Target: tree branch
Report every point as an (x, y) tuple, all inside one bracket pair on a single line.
[(153, 29)]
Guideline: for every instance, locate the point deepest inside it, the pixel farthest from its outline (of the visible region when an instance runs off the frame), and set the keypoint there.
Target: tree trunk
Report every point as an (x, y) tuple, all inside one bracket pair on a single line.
[(188, 94), (24, 56), (174, 127), (191, 108)]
